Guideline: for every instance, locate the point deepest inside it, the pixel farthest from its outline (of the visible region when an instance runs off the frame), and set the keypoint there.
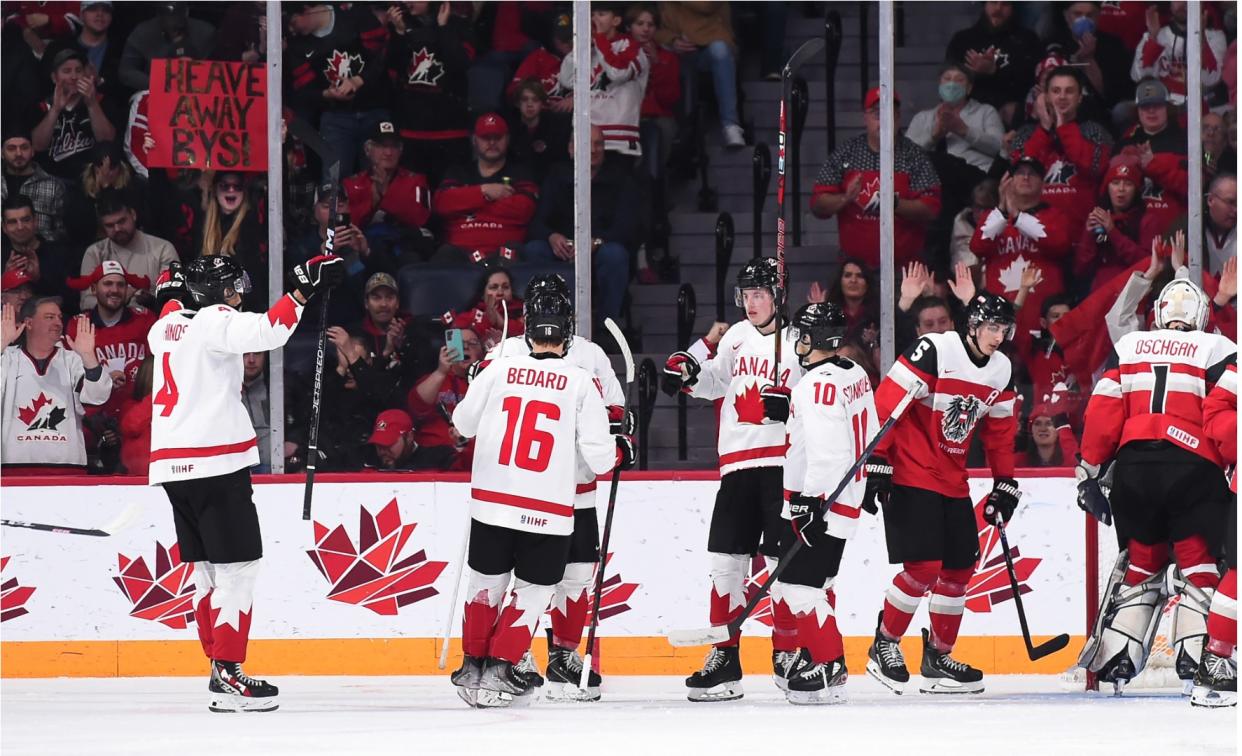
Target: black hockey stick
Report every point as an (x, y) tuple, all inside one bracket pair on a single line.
[(111, 528), (597, 594), (721, 633), (1047, 647)]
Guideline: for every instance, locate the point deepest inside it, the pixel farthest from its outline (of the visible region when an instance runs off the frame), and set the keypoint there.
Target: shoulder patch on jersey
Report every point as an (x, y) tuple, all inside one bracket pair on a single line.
[(170, 307), (284, 312)]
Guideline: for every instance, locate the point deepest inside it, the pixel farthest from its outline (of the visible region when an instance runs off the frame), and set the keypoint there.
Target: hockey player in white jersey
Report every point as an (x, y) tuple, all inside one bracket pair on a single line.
[(203, 446), (751, 445), (831, 420), (570, 601), (532, 416)]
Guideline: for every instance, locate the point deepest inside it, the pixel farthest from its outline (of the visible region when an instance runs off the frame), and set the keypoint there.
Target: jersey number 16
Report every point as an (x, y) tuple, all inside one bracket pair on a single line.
[(522, 421)]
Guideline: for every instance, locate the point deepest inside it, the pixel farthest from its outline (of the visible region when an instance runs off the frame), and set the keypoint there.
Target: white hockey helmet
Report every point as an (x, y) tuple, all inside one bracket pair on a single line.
[(1180, 301)]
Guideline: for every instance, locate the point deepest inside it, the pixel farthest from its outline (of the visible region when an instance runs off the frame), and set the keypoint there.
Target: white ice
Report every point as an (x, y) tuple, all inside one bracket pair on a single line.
[(640, 716)]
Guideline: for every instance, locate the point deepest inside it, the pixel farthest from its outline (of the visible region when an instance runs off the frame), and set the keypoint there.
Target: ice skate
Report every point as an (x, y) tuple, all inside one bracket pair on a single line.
[(467, 678), (944, 674), (886, 662), (565, 673), (1215, 683), (233, 690), (784, 663), (720, 679), (503, 684), (812, 684)]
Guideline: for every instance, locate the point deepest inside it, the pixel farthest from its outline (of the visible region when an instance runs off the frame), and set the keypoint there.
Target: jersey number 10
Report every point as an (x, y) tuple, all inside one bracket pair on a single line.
[(528, 434)]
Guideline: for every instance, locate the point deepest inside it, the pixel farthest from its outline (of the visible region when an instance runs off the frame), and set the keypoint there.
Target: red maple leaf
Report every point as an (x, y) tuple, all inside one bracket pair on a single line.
[(284, 312), (759, 576), (28, 414), (13, 597), (990, 583), (616, 592), (749, 406), (164, 594)]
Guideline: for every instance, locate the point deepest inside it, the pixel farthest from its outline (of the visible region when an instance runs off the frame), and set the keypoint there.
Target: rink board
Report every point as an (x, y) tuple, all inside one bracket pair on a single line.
[(83, 606)]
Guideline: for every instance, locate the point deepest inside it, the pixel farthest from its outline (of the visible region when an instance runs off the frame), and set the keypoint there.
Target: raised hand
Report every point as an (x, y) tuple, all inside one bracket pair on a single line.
[(963, 283), (84, 344), (10, 329), (817, 293), (1228, 287), (1156, 265), (1179, 250)]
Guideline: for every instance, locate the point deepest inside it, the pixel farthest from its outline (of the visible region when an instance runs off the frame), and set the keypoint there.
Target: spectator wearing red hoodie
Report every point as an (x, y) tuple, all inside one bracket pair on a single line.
[(434, 397), (1118, 231), (386, 200), (658, 115), (487, 317), (1052, 441), (136, 422), (1159, 145), (1042, 362), (489, 203), (544, 65)]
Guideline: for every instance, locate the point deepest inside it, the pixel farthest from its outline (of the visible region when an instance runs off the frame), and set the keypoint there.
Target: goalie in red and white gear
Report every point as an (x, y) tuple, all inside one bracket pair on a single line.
[(1168, 492), (832, 418), (746, 518), (203, 446)]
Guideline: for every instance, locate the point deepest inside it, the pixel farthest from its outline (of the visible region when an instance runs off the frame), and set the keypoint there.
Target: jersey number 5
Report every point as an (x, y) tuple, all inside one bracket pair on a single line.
[(168, 395), (528, 434)]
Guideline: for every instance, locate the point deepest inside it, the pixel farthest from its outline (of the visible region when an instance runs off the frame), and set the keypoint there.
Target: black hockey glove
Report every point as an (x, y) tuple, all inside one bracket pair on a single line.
[(620, 420), (1091, 498), (318, 274), (775, 403), (879, 483), (627, 454), (681, 371), (806, 512), (475, 368), (1002, 501)]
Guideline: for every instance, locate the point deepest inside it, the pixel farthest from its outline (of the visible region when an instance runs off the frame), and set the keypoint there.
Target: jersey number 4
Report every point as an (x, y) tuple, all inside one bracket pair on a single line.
[(522, 422), (168, 395)]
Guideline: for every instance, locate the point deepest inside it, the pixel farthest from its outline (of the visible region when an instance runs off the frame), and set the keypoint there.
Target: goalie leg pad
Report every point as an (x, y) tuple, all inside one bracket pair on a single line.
[(1115, 579), (1130, 618), (728, 574)]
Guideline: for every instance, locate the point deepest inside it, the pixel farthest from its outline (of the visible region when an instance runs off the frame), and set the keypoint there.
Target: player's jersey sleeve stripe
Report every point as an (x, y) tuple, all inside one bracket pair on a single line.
[(1173, 367), (749, 454), (522, 502), (587, 487), (203, 451), (905, 374)]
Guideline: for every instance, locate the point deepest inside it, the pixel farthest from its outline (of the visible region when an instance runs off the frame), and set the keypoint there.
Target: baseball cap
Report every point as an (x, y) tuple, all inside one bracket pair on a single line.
[(390, 425), (563, 27), (378, 280), (490, 125), (93, 3), (384, 131), (1123, 167), (63, 55), (1150, 92), (14, 278), (1030, 160), (16, 129), (873, 98)]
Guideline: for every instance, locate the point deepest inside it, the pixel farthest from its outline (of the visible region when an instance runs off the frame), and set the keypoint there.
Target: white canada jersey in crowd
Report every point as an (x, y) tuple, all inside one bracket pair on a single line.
[(199, 426), (587, 355), (530, 418), (619, 72), (832, 418), (43, 411), (741, 367)]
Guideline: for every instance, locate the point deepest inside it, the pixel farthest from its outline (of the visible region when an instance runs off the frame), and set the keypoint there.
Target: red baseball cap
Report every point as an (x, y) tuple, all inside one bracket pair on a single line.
[(1123, 167), (490, 125), (873, 98), (15, 278), (390, 426)]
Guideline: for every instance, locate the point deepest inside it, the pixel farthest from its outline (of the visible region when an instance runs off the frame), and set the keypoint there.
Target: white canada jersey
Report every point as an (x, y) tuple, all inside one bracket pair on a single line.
[(199, 426), (43, 410), (619, 72), (741, 367), (831, 420), (531, 417)]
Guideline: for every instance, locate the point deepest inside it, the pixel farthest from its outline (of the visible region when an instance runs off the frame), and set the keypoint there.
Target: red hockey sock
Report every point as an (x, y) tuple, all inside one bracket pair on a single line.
[(785, 627), (1196, 562), (948, 598), (1222, 621), (728, 597), (820, 637), (722, 611), (203, 619), (902, 599), (477, 623), (230, 611), (1145, 561), (228, 641), (570, 605), (518, 621)]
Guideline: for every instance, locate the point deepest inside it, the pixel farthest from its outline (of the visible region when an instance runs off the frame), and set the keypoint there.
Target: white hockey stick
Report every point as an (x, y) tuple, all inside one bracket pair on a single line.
[(118, 523)]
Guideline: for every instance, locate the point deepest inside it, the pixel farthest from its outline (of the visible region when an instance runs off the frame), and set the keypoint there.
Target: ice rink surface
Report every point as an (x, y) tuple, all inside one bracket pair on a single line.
[(640, 716)]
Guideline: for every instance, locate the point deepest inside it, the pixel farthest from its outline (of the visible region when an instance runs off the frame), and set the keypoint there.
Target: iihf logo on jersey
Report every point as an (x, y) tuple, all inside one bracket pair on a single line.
[(990, 584), (42, 414), (374, 575), (165, 594), (13, 597), (960, 417)]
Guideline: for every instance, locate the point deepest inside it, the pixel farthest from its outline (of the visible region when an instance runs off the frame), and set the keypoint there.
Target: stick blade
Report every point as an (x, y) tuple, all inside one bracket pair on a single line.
[(1049, 647), (808, 50), (705, 636), (628, 356)]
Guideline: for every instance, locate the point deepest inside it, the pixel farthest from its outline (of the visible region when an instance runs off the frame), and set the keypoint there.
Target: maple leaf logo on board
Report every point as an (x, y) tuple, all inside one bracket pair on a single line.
[(613, 598), (13, 597), (374, 574), (759, 576), (165, 594), (990, 584), (342, 66), (36, 418), (749, 406), (424, 68)]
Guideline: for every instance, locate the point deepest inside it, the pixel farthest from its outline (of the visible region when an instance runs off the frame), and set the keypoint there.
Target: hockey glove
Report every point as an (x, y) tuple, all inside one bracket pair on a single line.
[(1091, 498), (879, 483), (806, 512), (626, 452), (681, 371), (474, 369), (1002, 501), (318, 274), (620, 420), (775, 403)]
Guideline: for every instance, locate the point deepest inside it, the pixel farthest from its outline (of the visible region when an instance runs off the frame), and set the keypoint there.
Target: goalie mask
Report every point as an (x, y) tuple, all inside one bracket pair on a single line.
[(215, 279), (819, 325), (549, 317), (1180, 301), (987, 307)]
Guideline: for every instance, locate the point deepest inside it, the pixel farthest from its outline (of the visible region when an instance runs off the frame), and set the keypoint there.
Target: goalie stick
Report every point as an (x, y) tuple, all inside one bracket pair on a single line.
[(719, 634), (1050, 646)]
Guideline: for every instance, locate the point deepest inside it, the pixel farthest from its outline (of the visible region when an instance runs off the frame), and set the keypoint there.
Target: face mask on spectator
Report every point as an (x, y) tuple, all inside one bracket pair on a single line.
[(1083, 25), (952, 92)]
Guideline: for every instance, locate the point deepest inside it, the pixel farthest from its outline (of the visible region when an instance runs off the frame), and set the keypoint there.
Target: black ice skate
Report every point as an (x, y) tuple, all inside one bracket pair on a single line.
[(813, 684), (1118, 672), (1216, 682), (784, 664), (565, 674), (944, 674), (467, 678), (886, 663), (527, 669), (720, 679), (503, 685), (233, 690)]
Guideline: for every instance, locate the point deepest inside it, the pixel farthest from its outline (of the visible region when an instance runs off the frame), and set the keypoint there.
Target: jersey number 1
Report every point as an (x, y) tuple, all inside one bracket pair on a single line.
[(168, 395), (528, 434), (859, 423)]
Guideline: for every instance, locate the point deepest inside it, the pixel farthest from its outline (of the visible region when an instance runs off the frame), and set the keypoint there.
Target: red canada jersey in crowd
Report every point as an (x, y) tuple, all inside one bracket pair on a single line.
[(407, 201), (121, 345), (1155, 392), (542, 66), (1040, 238), (1075, 156), (741, 368), (958, 396), (531, 417), (473, 222)]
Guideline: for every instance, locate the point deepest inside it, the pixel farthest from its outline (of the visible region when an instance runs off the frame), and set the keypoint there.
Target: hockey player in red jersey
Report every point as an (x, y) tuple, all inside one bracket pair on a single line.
[(962, 384), (1146, 414), (532, 416), (832, 418), (203, 446), (752, 450)]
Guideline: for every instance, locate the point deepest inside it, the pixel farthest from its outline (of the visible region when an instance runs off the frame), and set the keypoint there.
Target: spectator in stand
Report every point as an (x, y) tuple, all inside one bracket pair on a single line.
[(615, 225), (390, 203), (1159, 145), (1162, 52), (102, 52), (488, 204), (983, 198), (22, 175), (40, 22), (657, 128), (254, 397), (138, 253), (920, 310), (171, 34), (334, 57), (136, 422), (487, 317), (427, 60), (1119, 230), (544, 65), (353, 394), (618, 81), (1042, 361), (45, 390), (362, 259), (1075, 152), (702, 34), (854, 289), (432, 400), (27, 251), (1024, 232), (1124, 20), (392, 446), (1218, 157), (399, 345), (73, 119), (504, 31), (539, 138), (1220, 223), (16, 289), (1102, 57), (107, 170), (234, 225), (1000, 54), (848, 186), (246, 22), (1052, 441)]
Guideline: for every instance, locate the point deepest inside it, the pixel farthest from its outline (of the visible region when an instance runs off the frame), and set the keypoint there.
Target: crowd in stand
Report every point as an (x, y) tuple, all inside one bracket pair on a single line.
[(1054, 172)]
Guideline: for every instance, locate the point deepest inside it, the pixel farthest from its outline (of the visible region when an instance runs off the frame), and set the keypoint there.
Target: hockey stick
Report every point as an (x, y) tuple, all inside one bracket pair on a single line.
[(719, 634), (447, 635), (597, 595), (1047, 647), (112, 528)]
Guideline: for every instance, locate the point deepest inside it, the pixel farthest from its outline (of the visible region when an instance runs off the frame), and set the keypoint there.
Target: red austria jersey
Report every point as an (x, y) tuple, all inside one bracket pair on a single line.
[(530, 418), (199, 426), (742, 366), (959, 396), (1155, 392), (832, 418)]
